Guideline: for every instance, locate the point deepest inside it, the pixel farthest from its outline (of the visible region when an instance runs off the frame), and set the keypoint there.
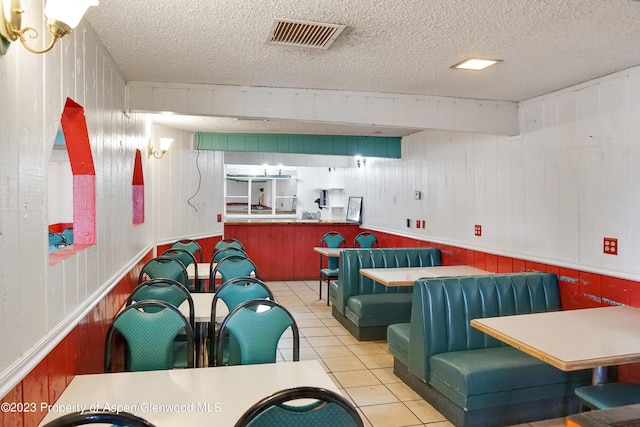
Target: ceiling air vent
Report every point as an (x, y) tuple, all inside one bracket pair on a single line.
[(315, 35)]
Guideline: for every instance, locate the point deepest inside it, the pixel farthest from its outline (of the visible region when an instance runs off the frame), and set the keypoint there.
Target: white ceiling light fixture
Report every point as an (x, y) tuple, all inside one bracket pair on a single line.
[(62, 17), (315, 35), (475, 64)]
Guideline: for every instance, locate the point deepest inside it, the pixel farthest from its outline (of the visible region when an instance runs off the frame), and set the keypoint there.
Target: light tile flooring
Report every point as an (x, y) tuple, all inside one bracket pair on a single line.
[(363, 371)]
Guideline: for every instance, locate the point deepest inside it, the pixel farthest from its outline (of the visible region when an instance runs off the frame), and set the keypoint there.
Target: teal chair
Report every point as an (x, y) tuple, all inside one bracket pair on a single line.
[(67, 233), (332, 239), (226, 243), (231, 267), (233, 293), (329, 409), (164, 267), (608, 395), (365, 240), (191, 246), (223, 253), (56, 241), (167, 290), (186, 258), (150, 329), (254, 329), (117, 419)]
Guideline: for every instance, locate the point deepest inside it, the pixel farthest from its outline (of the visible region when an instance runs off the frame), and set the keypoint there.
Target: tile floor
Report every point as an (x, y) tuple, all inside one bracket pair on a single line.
[(363, 371)]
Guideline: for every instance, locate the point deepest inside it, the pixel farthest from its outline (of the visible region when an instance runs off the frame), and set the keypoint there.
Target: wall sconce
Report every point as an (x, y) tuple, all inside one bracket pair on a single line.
[(62, 17), (361, 161), (165, 143)]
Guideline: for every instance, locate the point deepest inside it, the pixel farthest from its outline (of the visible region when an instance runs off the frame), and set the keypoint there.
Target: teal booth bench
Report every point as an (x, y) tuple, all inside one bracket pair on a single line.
[(470, 377), (365, 307)]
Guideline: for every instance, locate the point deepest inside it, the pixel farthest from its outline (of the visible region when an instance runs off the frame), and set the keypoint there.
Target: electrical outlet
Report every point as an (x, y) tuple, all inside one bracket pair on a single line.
[(408, 223), (423, 223), (219, 217), (417, 223), (417, 195), (610, 246), (478, 230)]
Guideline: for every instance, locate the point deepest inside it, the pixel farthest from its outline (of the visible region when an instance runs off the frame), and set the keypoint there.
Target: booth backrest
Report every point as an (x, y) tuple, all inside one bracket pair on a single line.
[(351, 282), (443, 307)]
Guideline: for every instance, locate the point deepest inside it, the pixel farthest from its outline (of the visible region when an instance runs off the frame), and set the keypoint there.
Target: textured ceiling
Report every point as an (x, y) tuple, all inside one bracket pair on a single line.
[(401, 46)]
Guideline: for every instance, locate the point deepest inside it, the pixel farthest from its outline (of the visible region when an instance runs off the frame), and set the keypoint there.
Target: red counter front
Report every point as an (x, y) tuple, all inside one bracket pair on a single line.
[(284, 250)]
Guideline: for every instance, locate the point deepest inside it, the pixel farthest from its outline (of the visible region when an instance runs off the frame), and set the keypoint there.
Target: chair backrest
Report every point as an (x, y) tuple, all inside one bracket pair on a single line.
[(190, 245), (365, 240), (333, 239), (229, 242), (182, 255), (233, 293), (254, 329), (56, 238), (57, 241), (165, 267), (186, 258), (67, 233), (329, 409), (166, 290), (231, 267), (149, 329), (120, 418), (441, 309), (225, 252)]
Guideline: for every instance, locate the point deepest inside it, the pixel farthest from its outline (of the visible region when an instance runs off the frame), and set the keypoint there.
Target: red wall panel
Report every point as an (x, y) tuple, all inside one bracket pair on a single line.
[(269, 245)]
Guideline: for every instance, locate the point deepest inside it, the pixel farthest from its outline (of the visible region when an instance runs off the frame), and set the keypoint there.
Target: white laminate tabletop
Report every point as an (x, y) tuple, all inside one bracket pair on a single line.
[(188, 397), (202, 307), (571, 339), (203, 270), (329, 252), (405, 276)]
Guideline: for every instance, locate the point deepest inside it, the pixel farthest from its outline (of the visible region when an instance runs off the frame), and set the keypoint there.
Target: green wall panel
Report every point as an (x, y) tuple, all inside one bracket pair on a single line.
[(268, 144), (337, 145), (283, 144)]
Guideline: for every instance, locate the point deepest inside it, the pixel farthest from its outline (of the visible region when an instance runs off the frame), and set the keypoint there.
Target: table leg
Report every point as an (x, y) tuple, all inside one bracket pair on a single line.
[(600, 375), (320, 281), (201, 333)]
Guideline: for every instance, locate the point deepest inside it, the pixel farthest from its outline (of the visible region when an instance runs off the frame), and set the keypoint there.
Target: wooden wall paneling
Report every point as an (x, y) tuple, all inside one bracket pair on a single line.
[(535, 266), (307, 260), (12, 418), (569, 282), (284, 238), (590, 289), (262, 249), (616, 291), (505, 264), (57, 371), (35, 388), (491, 263), (479, 260)]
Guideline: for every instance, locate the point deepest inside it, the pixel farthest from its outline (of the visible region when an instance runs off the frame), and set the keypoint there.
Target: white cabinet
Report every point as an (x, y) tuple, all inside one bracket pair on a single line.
[(332, 199)]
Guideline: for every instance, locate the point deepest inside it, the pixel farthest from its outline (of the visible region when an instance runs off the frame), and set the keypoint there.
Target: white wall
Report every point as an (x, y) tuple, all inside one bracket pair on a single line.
[(551, 194), (40, 303), (188, 186)]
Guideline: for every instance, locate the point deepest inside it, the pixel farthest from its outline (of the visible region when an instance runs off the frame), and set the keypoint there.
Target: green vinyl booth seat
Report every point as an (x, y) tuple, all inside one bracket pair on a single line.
[(470, 377), (365, 307)]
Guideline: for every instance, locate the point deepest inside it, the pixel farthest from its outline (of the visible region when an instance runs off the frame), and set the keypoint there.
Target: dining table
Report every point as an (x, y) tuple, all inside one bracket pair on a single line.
[(196, 397), (202, 304), (405, 276), (590, 338), (329, 253)]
